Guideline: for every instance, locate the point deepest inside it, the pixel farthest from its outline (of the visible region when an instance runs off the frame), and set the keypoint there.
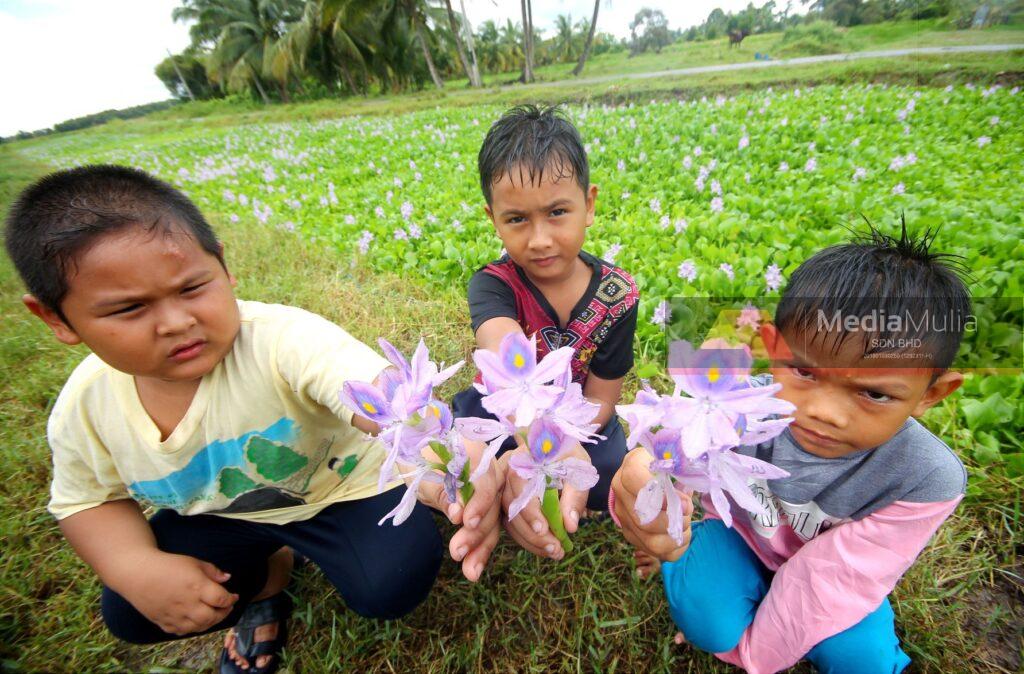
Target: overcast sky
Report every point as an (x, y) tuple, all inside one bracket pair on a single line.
[(67, 58)]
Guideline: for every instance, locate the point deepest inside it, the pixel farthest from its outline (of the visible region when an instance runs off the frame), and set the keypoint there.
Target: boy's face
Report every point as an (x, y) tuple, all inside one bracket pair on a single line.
[(542, 223), (150, 304), (843, 403)]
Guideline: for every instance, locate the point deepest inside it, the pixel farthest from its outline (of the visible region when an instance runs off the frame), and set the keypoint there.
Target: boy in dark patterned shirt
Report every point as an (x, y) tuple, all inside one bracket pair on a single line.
[(535, 179)]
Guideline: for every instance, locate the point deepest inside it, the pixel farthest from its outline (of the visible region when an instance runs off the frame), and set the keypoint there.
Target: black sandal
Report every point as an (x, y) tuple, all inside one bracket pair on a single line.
[(259, 613)]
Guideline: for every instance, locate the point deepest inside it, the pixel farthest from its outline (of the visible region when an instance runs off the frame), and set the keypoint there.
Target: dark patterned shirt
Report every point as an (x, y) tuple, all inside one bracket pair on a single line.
[(600, 328)]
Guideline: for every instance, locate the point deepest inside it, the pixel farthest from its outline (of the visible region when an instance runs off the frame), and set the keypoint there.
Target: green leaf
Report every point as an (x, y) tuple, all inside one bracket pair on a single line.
[(987, 413), (987, 449)]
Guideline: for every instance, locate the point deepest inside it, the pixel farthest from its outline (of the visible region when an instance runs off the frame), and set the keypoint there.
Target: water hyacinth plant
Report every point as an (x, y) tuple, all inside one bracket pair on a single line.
[(691, 438), (538, 404), (410, 419)]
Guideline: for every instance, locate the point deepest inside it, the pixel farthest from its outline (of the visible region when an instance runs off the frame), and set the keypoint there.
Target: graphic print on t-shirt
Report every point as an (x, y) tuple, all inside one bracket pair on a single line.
[(806, 519), (259, 470)]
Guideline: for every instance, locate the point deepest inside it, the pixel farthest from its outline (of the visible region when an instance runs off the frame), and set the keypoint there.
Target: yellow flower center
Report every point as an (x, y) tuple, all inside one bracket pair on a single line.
[(436, 411), (519, 361), (713, 374), (667, 455), (546, 446), (369, 407)]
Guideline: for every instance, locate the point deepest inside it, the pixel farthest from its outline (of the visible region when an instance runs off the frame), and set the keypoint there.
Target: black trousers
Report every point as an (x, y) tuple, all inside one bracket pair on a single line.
[(379, 571)]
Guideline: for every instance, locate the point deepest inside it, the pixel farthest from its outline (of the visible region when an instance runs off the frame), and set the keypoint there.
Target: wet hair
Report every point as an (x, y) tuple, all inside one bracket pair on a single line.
[(881, 276), (61, 215), (531, 140)]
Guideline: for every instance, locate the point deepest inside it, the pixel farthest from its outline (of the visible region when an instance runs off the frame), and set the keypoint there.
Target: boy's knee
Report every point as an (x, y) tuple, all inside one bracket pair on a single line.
[(125, 622), (396, 586), (696, 612)]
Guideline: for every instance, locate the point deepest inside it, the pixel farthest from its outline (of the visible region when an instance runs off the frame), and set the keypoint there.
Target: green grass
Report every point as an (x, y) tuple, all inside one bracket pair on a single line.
[(897, 35), (959, 608)]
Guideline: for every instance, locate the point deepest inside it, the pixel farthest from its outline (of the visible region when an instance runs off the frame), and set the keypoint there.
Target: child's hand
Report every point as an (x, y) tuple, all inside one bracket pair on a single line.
[(476, 539), (530, 528), (181, 594), (652, 538)]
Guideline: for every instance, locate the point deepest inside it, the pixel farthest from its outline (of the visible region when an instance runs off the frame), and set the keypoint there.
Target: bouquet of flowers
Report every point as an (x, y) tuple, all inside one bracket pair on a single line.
[(410, 419), (692, 437), (540, 406)]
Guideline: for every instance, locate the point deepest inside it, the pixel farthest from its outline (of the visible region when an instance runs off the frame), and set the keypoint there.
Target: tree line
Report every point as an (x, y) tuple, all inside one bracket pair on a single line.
[(770, 17), (282, 49)]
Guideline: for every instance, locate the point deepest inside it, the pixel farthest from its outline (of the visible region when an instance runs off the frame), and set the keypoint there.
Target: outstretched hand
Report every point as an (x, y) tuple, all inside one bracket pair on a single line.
[(651, 538), (478, 521), (530, 528)]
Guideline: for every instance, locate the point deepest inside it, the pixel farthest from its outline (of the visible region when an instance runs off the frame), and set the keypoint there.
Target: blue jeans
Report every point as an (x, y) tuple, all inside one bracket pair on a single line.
[(714, 590), (605, 455)]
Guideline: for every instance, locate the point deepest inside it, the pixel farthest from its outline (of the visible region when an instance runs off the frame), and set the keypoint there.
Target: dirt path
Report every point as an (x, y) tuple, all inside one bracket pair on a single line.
[(828, 58)]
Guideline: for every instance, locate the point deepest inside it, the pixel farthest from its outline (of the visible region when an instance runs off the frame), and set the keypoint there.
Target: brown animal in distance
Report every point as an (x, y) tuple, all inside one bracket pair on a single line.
[(736, 36)]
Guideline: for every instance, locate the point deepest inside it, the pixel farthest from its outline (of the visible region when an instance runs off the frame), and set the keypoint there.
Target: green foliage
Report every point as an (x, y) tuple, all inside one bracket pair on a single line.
[(185, 74), (818, 37), (648, 32)]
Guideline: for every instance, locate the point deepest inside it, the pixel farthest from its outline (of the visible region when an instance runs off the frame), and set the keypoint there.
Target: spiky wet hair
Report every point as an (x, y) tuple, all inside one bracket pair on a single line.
[(882, 275), (528, 141)]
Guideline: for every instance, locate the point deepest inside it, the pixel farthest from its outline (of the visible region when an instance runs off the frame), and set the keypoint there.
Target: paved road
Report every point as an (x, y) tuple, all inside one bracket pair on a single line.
[(828, 58)]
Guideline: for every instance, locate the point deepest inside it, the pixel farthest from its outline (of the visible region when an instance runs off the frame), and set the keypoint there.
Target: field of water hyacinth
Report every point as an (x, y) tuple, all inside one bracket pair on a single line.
[(717, 196)]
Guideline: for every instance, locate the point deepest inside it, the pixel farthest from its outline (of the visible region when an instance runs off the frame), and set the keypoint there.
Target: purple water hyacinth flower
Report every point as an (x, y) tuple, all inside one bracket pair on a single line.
[(402, 406), (493, 432), (542, 468), (717, 381), (666, 447), (401, 512), (572, 413), (514, 382), (727, 472), (642, 415)]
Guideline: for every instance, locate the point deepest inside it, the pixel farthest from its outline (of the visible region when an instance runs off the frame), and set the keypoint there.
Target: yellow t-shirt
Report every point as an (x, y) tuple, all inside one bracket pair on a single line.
[(265, 439)]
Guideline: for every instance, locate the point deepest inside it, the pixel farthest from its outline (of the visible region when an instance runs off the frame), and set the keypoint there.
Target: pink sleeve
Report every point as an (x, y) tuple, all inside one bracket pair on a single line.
[(834, 582)]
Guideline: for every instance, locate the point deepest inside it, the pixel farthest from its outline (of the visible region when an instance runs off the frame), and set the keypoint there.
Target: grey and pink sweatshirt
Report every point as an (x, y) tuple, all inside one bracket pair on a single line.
[(839, 533)]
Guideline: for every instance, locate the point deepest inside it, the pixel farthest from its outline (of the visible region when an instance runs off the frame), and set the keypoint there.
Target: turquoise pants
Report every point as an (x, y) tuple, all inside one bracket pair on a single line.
[(714, 590)]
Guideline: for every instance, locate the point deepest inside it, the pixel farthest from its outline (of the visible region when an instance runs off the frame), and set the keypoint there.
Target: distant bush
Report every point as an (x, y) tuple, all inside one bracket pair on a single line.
[(813, 39), (109, 115)]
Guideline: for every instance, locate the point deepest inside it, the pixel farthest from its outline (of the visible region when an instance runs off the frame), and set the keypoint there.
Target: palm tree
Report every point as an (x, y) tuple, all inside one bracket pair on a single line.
[(590, 39), (471, 73), (330, 38), (564, 37), (527, 40), (417, 13), (243, 35)]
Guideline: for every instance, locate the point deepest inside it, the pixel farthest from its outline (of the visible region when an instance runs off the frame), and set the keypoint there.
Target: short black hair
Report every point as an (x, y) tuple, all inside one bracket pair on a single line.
[(535, 140), (882, 276), (55, 219)]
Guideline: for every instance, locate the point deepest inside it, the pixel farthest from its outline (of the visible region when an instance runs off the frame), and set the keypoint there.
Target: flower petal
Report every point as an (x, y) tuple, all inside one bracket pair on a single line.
[(367, 401), (553, 365), (518, 355), (534, 489), (579, 474), (394, 356), (649, 500)]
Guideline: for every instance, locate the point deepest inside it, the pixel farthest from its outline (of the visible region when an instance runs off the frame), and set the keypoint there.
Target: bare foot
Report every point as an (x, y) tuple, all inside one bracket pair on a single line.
[(646, 566), (266, 632)]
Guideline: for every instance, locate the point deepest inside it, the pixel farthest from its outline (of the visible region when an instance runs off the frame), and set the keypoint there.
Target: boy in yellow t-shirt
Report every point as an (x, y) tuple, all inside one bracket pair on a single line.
[(221, 414)]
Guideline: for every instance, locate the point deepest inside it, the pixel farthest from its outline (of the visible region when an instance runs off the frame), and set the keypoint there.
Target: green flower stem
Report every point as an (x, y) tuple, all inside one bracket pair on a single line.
[(554, 517), (466, 490)]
